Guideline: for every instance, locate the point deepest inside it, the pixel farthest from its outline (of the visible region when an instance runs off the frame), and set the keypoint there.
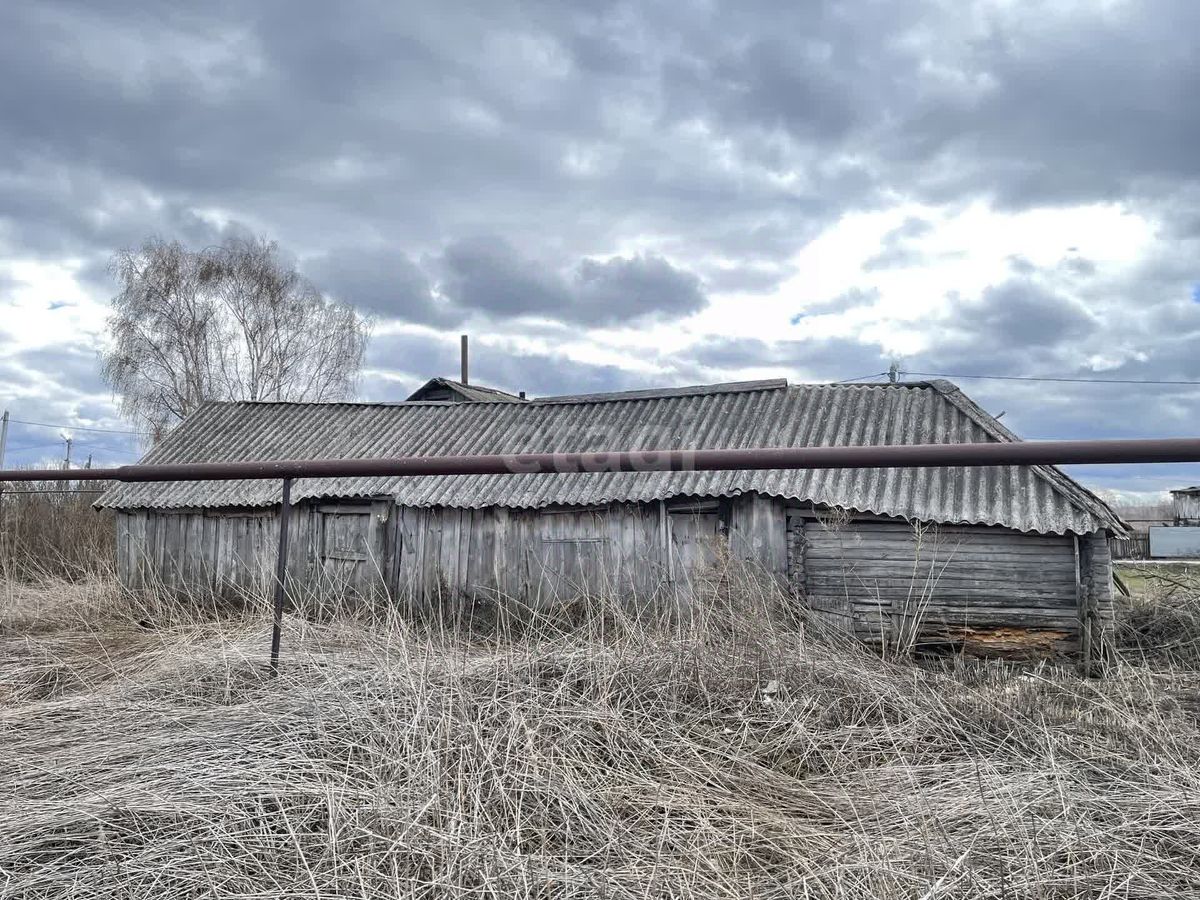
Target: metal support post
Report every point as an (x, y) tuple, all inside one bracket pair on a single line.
[(281, 561), (3, 447)]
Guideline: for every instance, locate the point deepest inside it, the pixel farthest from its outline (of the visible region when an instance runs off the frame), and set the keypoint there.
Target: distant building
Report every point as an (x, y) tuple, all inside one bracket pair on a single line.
[(1181, 538), (1139, 518), (1185, 503), (1011, 558)]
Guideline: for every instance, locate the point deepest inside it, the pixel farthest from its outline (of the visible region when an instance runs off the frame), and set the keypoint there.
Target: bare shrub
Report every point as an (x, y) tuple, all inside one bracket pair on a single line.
[(1161, 621)]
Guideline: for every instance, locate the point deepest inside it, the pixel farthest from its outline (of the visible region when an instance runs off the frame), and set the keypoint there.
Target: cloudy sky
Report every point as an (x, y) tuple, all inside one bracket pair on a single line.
[(612, 195)]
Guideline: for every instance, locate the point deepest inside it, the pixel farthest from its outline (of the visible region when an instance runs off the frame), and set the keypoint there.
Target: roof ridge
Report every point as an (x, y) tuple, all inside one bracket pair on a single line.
[(317, 403), (865, 384), (475, 393), (691, 390)]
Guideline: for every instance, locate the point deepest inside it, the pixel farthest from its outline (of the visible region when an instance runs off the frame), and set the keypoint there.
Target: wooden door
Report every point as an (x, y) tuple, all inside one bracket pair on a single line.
[(570, 558), (349, 555), (694, 542)]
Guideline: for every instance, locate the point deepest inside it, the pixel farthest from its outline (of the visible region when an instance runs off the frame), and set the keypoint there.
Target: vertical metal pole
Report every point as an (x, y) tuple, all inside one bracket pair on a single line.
[(3, 436), (281, 560), (463, 355), (3, 446)]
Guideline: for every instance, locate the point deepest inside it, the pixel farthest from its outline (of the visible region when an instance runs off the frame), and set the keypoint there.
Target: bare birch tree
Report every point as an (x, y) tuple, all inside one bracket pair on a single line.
[(233, 322)]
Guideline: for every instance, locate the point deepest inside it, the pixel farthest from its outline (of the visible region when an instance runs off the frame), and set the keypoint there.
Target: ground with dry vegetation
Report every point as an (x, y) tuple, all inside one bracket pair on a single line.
[(145, 753)]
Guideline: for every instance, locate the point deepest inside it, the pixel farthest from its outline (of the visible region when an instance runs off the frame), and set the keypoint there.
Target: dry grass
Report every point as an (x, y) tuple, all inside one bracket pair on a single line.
[(733, 756), (1160, 624), (50, 529)]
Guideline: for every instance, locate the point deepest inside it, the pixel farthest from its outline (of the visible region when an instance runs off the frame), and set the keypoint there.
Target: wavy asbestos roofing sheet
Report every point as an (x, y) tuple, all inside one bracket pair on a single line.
[(748, 414)]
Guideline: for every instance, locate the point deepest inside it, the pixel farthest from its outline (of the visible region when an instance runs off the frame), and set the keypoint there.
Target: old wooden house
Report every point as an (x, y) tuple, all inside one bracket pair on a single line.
[(1008, 555)]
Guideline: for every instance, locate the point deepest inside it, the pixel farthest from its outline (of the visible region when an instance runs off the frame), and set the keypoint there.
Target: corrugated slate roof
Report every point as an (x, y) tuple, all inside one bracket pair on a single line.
[(750, 414)]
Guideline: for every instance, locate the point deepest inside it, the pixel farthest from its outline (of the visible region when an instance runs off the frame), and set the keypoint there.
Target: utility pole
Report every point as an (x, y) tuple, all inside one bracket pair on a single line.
[(894, 372), (3, 445), (67, 461)]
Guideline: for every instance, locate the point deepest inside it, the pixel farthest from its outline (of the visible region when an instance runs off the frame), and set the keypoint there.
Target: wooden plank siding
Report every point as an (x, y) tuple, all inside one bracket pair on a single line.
[(223, 551), (862, 574), (538, 557), (984, 588)]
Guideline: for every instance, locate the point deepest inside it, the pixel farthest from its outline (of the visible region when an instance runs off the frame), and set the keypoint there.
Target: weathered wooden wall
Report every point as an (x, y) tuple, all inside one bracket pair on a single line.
[(542, 556), (232, 551), (228, 552), (991, 588), (988, 589), (426, 555), (1096, 610), (535, 556)]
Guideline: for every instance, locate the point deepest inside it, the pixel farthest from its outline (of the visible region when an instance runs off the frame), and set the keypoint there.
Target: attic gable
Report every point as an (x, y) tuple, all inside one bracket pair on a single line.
[(448, 390)]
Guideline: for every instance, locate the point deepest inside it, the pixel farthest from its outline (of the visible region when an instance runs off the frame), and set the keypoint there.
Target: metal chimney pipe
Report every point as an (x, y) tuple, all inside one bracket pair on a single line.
[(464, 360)]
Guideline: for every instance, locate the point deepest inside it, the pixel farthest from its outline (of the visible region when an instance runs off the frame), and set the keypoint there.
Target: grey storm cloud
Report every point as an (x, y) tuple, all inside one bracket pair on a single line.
[(630, 288), (732, 130), (379, 281), (1061, 108), (71, 367), (489, 275), (1034, 324), (897, 248), (1020, 313), (854, 298), (538, 374), (66, 376), (1140, 324)]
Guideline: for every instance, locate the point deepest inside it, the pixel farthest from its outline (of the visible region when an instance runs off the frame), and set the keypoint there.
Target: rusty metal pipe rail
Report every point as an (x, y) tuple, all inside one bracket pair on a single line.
[(1019, 453)]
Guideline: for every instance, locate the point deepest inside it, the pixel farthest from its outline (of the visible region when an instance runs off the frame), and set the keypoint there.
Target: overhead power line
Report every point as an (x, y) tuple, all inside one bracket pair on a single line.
[(79, 427), (1060, 380), (33, 447), (861, 377)]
